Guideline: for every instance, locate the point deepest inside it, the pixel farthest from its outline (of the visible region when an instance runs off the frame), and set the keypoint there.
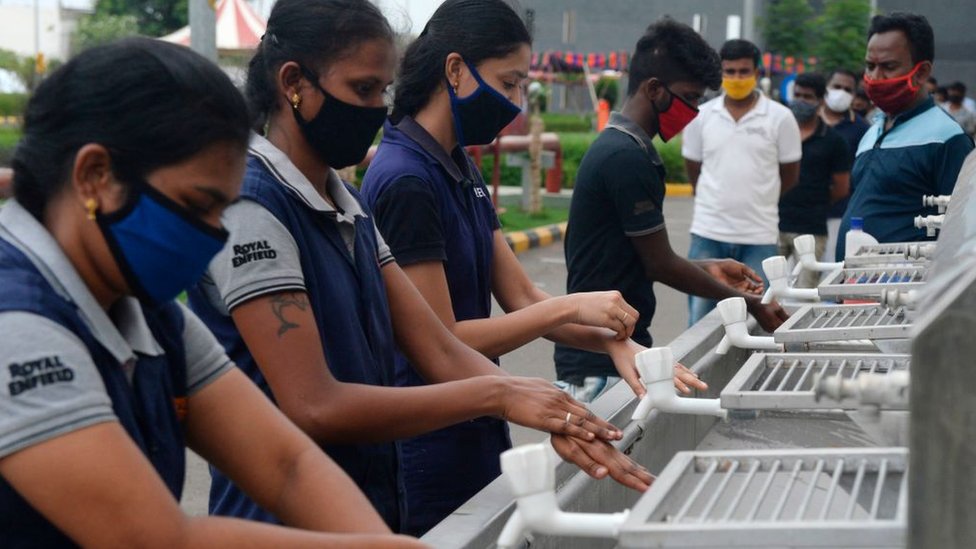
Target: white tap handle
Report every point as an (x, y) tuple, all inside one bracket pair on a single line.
[(776, 268), (529, 469), (777, 272), (655, 364), (806, 252), (805, 244), (734, 314), (733, 310), (656, 368)]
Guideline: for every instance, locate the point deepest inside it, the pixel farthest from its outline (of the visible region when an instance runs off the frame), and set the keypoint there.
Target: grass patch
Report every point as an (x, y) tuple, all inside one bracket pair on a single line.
[(514, 219), (9, 136)]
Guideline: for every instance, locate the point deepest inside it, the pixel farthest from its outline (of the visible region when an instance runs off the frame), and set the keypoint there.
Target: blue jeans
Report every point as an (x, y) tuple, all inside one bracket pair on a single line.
[(593, 386), (706, 248)]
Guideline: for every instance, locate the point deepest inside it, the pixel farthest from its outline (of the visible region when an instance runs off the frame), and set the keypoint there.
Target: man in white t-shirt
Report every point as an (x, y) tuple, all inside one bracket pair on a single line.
[(741, 152)]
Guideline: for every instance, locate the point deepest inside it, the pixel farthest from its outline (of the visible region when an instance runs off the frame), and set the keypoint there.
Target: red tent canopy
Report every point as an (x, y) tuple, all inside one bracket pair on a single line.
[(239, 27)]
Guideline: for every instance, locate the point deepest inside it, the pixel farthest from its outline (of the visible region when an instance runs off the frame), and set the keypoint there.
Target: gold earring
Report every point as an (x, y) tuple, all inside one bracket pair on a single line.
[(456, 84), (296, 100), (92, 206)]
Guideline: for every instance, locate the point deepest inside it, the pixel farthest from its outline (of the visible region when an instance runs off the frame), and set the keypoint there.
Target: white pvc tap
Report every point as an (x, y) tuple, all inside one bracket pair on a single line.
[(806, 251), (531, 473), (656, 368), (734, 315), (888, 390), (931, 223), (893, 298), (940, 201), (778, 274), (920, 251)]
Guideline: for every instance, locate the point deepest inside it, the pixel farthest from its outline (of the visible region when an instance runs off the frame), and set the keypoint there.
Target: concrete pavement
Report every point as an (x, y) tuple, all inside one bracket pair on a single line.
[(546, 267)]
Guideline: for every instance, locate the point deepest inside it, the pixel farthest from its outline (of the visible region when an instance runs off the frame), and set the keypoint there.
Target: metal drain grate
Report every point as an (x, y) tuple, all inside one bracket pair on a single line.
[(871, 281), (775, 498), (886, 254), (780, 381), (843, 323)]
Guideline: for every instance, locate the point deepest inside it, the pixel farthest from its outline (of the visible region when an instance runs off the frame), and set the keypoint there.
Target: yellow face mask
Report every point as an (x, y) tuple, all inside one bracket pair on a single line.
[(739, 88)]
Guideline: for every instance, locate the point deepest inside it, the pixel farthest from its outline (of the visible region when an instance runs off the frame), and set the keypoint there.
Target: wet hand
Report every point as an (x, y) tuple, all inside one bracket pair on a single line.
[(537, 403), (735, 275), (623, 354), (685, 380), (770, 316), (599, 459)]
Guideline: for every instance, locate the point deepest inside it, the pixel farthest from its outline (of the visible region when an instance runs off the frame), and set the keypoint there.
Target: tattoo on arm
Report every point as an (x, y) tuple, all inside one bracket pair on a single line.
[(279, 302)]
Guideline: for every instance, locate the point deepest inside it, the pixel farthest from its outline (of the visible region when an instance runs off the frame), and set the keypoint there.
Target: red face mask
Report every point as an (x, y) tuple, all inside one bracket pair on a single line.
[(892, 95), (673, 119)]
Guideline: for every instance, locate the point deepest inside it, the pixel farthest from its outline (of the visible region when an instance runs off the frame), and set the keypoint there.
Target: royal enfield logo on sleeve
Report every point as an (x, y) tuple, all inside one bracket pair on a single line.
[(32, 374), (253, 251)]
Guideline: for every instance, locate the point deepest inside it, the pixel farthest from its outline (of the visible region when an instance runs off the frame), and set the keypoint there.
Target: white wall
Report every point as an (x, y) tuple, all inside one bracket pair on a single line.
[(56, 25)]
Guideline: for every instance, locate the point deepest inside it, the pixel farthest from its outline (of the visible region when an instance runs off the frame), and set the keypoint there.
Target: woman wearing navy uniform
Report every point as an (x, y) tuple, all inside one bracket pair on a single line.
[(306, 297), (129, 155), (459, 84)]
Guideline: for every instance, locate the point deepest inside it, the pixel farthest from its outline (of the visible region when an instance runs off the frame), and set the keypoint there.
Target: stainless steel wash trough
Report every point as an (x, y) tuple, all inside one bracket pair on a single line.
[(801, 454)]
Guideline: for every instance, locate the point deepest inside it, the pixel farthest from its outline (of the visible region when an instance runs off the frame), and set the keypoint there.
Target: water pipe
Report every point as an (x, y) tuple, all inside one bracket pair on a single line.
[(734, 315), (656, 368)]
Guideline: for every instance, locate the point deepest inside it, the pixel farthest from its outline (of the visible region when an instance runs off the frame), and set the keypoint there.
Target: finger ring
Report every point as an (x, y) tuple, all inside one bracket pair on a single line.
[(626, 316), (569, 416)]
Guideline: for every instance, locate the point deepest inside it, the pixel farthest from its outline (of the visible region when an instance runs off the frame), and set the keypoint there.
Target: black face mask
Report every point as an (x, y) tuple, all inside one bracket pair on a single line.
[(340, 133), (480, 116)]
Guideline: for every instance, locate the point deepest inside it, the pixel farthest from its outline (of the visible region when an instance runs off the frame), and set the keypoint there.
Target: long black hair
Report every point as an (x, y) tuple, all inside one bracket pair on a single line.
[(475, 29), (313, 33), (151, 104)]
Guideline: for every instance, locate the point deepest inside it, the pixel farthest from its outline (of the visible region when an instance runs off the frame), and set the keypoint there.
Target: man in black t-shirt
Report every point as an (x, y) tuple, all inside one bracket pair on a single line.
[(616, 237), (824, 174)]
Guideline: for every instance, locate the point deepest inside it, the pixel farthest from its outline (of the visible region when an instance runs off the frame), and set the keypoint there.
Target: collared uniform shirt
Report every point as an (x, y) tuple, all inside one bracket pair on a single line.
[(920, 155), (619, 195), (739, 186), (67, 364), (284, 236), (434, 206)]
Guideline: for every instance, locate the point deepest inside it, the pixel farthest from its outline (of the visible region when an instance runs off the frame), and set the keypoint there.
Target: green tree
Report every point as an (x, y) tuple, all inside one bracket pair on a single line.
[(21, 66), (786, 27), (154, 17), (842, 34), (607, 88), (98, 29)]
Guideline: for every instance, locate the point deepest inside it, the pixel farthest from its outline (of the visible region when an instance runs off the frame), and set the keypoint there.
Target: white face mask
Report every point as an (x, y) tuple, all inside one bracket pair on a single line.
[(838, 100)]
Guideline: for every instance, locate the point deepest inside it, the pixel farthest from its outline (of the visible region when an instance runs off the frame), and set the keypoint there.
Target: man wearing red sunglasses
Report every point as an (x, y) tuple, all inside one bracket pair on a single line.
[(916, 148)]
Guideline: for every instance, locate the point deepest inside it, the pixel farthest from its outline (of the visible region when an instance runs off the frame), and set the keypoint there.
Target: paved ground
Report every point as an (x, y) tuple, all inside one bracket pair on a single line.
[(547, 268)]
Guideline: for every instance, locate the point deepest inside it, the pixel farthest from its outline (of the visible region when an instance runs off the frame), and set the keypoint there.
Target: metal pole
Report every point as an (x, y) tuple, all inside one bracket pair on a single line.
[(203, 28), (37, 42), (749, 20)]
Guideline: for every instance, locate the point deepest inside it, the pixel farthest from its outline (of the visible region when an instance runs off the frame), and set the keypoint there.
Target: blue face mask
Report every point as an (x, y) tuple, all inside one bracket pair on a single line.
[(159, 246), (480, 116)]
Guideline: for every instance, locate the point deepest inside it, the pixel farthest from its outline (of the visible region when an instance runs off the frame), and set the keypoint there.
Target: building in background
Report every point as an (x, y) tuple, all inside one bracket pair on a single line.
[(587, 26), (57, 23)]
